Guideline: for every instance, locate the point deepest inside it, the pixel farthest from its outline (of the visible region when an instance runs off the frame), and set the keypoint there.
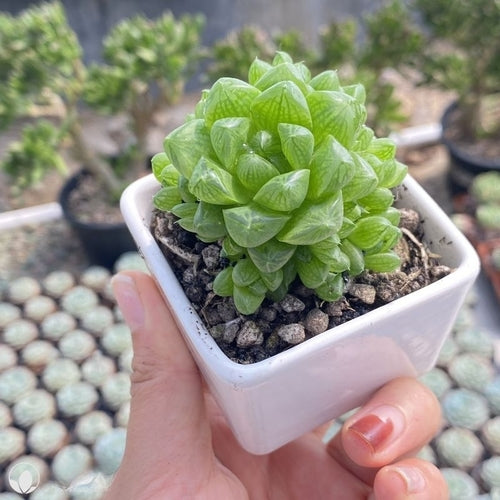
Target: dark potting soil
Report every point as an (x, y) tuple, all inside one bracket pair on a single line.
[(275, 327)]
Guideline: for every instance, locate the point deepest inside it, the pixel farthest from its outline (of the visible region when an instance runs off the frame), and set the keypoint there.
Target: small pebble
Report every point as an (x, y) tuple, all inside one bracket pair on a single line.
[(292, 334), (249, 334), (365, 293), (291, 304), (316, 321)]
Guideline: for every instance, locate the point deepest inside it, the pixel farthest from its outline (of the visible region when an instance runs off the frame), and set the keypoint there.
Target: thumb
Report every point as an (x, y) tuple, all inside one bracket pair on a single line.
[(167, 412)]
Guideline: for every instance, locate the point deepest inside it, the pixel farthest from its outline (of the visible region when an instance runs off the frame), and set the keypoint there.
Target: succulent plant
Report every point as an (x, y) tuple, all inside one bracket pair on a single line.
[(448, 351), (21, 289), (36, 465), (8, 357), (97, 319), (116, 390), (437, 380), (464, 319), (486, 187), (92, 425), (471, 371), (38, 307), (460, 484), (116, 339), (286, 174), (76, 399), (35, 406), (465, 408), (427, 453), (488, 216), (460, 448), (95, 277), (108, 450), (125, 360), (15, 383), (55, 325), (490, 434), (49, 491), (475, 340), (92, 485), (12, 443), (490, 472), (130, 261), (5, 415), (77, 345), (47, 437), (10, 496), (495, 258), (59, 373), (123, 414), (38, 354), (8, 312), (19, 333), (79, 300), (98, 368), (70, 462), (492, 393), (57, 283)]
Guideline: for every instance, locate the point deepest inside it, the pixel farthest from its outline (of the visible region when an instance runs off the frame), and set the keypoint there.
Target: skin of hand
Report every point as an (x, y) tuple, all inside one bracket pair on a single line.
[(180, 447)]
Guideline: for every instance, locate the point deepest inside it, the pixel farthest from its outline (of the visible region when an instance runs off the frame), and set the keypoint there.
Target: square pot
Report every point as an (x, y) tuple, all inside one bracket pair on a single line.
[(274, 401)]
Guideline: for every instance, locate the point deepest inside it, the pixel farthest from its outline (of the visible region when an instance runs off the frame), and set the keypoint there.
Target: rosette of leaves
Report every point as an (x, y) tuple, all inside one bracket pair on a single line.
[(284, 173)]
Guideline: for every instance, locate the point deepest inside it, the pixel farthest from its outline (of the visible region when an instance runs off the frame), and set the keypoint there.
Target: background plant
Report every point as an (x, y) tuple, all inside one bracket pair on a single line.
[(145, 66), (461, 54), (285, 173)]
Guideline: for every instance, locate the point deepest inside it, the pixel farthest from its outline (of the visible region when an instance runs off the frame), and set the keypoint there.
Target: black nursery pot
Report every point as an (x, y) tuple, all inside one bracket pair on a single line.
[(464, 165), (103, 243)]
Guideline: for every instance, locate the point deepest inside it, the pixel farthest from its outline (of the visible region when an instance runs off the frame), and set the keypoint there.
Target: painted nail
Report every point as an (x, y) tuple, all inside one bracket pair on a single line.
[(128, 300), (380, 427), (412, 477)]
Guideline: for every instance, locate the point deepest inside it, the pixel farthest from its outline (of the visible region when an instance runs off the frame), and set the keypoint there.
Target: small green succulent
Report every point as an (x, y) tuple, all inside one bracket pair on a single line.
[(283, 171)]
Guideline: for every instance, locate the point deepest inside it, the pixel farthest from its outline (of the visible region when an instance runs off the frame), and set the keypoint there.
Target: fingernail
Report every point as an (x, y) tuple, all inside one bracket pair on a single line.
[(129, 300), (413, 479), (380, 427)]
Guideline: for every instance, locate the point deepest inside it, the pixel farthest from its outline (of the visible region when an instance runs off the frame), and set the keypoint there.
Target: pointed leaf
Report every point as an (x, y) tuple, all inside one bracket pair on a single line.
[(228, 135), (280, 73), (363, 182), (357, 90), (382, 262), (185, 210), (250, 225), (246, 301), (312, 271), (167, 198), (230, 249), (285, 192), (332, 167), (229, 97), (257, 69), (383, 148), (253, 171), (313, 222), (158, 163), (327, 80), (335, 113), (209, 222), (364, 137), (223, 283), (245, 273), (272, 280), (394, 173), (187, 144), (378, 200), (212, 184), (356, 258), (297, 144), (284, 102), (281, 57), (329, 252), (271, 256), (332, 289), (169, 176), (368, 231)]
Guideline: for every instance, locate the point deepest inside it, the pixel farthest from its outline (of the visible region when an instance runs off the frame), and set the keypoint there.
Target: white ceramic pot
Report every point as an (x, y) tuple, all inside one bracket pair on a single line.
[(272, 402)]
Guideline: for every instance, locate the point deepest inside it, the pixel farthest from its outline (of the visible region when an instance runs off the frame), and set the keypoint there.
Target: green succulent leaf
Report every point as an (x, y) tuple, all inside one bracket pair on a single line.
[(185, 210), (245, 273), (284, 102), (347, 228), (209, 222), (363, 182), (187, 144), (392, 214), (378, 200), (332, 168), (393, 173), (364, 138), (183, 186), (228, 135), (382, 262), (285, 192), (281, 57), (271, 255), (253, 171), (297, 144), (211, 183), (265, 144), (368, 231), (230, 249), (311, 270), (280, 73), (357, 91), (166, 198), (382, 148), (223, 283), (332, 288), (272, 280), (326, 80), (169, 176), (158, 163), (250, 225), (257, 69), (335, 113), (245, 300), (229, 98), (313, 222), (355, 256)]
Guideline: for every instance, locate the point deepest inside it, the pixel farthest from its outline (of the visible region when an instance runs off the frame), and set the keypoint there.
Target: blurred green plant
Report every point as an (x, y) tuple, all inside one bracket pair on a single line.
[(485, 190), (462, 41), (146, 63), (284, 171)]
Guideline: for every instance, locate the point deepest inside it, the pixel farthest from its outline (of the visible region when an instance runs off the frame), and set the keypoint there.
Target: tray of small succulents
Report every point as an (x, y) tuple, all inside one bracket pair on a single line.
[(65, 362)]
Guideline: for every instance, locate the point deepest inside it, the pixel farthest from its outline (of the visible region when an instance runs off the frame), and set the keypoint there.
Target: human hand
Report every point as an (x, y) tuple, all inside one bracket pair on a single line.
[(180, 447)]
